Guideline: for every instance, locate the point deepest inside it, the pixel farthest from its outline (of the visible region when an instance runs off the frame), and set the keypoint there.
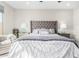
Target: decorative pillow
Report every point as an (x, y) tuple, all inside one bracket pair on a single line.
[(35, 31), (43, 31), (51, 31)]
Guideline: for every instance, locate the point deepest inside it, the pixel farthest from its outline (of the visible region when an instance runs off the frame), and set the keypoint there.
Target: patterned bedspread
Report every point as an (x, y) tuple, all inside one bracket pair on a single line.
[(44, 46)]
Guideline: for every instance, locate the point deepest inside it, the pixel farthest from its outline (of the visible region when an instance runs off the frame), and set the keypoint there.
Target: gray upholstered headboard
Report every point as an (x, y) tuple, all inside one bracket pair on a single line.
[(44, 24)]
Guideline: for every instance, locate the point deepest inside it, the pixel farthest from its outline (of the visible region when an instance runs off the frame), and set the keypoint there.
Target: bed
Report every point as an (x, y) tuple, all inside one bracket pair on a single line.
[(40, 44)]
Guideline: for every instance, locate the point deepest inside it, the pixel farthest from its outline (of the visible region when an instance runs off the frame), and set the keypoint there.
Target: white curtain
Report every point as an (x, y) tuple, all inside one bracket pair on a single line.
[(1, 19)]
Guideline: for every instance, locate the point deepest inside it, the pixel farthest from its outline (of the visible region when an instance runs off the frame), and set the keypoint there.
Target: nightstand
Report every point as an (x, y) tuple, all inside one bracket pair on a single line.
[(65, 34), (22, 33)]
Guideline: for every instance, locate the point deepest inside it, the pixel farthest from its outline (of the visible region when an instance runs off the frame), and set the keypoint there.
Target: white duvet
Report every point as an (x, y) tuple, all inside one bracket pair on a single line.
[(43, 49)]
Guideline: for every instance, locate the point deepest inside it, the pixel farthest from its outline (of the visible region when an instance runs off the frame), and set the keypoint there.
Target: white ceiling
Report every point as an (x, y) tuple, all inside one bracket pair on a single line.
[(43, 5)]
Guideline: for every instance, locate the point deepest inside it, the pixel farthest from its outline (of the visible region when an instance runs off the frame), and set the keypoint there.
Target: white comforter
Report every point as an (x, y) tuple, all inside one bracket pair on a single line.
[(43, 49)]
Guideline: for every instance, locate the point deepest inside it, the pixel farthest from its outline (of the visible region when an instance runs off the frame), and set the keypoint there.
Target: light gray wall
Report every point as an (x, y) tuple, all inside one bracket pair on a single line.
[(76, 23), (25, 16), (14, 18)]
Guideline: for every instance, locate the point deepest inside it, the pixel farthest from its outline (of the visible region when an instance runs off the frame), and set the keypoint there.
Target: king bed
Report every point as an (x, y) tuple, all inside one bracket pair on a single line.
[(44, 42)]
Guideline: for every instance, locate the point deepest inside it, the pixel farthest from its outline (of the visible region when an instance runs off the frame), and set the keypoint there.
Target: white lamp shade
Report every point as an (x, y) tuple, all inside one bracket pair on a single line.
[(23, 27), (63, 26)]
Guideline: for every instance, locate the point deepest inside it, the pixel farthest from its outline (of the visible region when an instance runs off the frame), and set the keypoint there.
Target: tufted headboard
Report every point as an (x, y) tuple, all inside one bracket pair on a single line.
[(44, 24)]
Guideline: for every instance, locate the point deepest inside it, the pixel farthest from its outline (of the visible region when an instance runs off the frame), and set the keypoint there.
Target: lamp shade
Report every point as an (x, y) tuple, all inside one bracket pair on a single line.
[(63, 26), (23, 27)]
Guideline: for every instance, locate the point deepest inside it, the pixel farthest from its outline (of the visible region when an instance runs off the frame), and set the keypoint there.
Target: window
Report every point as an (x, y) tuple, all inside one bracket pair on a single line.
[(1, 25), (1, 19)]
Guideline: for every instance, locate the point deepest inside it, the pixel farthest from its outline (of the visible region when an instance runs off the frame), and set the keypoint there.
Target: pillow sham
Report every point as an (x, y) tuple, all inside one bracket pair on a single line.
[(51, 31), (35, 31), (43, 31)]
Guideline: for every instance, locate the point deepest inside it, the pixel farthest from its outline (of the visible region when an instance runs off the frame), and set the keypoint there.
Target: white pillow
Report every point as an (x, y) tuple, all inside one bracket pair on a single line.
[(43, 31), (35, 31), (11, 37), (51, 31), (5, 42)]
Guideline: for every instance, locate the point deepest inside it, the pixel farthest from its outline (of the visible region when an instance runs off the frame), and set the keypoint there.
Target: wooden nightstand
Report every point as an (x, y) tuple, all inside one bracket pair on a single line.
[(64, 34)]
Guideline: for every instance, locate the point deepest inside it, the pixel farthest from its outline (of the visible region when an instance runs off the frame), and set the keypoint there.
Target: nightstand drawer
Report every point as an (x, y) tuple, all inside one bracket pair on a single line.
[(64, 34)]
